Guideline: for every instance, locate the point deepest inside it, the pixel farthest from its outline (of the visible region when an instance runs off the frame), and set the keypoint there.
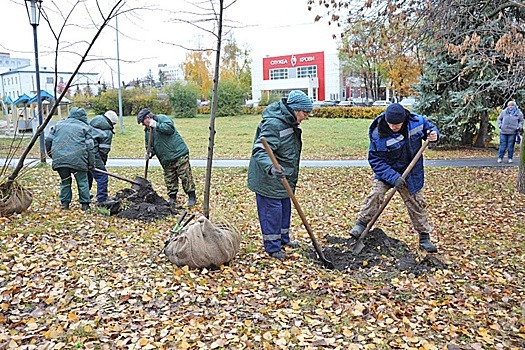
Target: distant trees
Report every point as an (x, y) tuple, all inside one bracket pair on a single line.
[(183, 99), (197, 70), (476, 64), (367, 53), (473, 53)]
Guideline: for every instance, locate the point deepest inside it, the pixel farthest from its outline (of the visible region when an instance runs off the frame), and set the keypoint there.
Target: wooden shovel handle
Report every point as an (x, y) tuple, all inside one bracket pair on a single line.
[(117, 176), (295, 202), (148, 151), (394, 190)]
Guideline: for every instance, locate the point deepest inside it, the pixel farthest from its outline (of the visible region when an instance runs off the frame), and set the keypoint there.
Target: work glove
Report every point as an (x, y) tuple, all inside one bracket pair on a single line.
[(400, 183), (147, 156), (152, 123), (278, 173)]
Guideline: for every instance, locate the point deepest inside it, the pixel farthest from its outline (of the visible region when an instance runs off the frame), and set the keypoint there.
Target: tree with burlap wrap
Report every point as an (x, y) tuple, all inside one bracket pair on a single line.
[(203, 244)]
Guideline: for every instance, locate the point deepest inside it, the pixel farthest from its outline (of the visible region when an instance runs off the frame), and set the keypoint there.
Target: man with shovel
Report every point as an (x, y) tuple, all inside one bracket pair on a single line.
[(102, 132), (395, 137), (280, 127), (173, 154)]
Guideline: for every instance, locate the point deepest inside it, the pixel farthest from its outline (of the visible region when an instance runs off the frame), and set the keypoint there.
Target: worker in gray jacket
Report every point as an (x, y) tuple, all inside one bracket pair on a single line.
[(70, 145)]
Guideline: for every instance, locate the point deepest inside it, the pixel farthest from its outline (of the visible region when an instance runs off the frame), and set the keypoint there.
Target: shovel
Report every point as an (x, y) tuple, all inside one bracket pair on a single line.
[(326, 263), (147, 152), (138, 184), (359, 245)]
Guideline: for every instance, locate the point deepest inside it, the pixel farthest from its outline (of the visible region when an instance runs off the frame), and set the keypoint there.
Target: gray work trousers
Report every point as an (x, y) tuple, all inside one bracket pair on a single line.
[(415, 205)]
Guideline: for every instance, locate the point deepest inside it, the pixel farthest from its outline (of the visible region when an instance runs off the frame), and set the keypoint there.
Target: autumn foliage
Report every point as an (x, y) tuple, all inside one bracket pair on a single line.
[(72, 279)]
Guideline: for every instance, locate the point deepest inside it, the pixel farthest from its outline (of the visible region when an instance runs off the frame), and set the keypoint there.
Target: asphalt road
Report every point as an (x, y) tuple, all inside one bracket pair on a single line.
[(228, 163)]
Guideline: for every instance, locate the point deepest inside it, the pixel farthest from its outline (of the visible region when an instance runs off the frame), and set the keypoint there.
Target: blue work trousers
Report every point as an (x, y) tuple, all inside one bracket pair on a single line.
[(102, 184), (274, 217)]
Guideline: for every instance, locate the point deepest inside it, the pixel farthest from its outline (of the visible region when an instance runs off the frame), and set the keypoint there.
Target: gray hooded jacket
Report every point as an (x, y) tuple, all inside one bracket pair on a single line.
[(70, 143)]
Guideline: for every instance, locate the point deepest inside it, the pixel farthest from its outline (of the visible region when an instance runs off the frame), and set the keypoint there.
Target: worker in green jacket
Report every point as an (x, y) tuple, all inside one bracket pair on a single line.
[(173, 154), (280, 127)]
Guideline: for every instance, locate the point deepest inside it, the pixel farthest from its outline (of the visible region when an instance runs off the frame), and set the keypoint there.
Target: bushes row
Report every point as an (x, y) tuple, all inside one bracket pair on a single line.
[(323, 112)]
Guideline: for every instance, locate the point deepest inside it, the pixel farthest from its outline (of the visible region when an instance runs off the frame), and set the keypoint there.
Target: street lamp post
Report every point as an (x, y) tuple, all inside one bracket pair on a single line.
[(33, 8)]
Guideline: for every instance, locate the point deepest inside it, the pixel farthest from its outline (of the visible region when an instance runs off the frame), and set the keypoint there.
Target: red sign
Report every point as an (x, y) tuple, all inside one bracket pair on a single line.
[(297, 60)]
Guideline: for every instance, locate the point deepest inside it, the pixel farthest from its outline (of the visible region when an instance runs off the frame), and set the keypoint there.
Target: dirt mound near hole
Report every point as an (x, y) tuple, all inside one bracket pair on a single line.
[(141, 204), (389, 254)]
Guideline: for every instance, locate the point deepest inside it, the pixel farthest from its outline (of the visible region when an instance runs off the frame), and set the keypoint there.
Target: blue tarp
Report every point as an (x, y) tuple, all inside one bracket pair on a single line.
[(8, 100), (45, 96), (22, 99)]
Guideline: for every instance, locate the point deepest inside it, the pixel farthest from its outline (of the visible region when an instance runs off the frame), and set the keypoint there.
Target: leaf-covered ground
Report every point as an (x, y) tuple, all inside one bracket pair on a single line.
[(70, 279)]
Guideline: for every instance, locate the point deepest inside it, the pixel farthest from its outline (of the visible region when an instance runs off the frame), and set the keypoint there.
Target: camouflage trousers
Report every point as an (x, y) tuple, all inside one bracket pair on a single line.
[(415, 205), (179, 168)]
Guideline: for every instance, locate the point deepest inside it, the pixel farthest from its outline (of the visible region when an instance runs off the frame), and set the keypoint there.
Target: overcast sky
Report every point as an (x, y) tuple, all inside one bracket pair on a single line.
[(269, 27)]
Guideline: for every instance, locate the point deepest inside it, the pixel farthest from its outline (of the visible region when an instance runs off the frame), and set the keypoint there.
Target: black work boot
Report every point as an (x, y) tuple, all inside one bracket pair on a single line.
[(65, 205), (191, 199), (357, 229), (173, 202), (85, 206), (425, 244)]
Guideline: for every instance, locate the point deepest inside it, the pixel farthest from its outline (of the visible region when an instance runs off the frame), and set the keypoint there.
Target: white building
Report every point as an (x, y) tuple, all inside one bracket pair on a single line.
[(317, 73), (7, 62), (171, 73), (15, 82)]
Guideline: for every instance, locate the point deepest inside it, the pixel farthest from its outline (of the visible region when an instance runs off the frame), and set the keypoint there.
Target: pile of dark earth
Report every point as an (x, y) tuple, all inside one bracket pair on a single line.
[(380, 252), (141, 203)]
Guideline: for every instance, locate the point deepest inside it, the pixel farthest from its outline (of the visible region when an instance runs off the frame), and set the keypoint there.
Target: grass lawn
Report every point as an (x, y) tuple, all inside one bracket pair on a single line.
[(322, 139)]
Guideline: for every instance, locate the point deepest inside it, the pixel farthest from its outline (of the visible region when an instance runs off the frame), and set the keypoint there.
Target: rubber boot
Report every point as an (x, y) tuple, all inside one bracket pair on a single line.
[(173, 202), (425, 244), (357, 229), (191, 199)]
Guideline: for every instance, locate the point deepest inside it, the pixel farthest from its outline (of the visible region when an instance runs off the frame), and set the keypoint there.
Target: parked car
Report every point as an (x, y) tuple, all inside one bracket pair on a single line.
[(346, 104), (331, 103), (251, 103), (323, 104), (408, 102), (381, 103)]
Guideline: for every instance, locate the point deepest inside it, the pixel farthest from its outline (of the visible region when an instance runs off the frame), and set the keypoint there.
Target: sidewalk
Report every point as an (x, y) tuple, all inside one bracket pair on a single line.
[(239, 163)]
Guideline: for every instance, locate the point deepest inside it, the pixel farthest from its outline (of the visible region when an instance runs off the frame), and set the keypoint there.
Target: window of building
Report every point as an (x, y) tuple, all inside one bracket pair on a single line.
[(307, 72), (276, 74), (49, 80)]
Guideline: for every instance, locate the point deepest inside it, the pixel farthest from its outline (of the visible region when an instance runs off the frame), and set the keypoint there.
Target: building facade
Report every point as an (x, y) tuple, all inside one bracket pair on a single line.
[(171, 73), (318, 74), (18, 81), (7, 62)]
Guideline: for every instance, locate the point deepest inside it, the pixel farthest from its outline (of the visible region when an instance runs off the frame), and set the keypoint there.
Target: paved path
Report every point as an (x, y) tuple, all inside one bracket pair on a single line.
[(227, 163)]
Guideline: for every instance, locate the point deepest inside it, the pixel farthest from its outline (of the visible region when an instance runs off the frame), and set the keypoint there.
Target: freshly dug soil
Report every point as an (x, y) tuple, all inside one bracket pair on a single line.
[(380, 251), (141, 204)]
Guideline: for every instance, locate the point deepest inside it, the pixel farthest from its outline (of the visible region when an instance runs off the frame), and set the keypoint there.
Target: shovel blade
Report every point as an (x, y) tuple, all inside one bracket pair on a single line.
[(328, 264), (358, 247), (140, 183)]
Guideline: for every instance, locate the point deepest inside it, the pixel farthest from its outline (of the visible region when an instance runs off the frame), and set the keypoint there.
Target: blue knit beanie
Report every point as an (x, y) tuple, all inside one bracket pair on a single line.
[(299, 101), (395, 113)]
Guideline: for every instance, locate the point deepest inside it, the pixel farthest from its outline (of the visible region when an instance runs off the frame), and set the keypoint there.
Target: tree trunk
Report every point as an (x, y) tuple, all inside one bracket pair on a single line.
[(482, 136), (520, 184), (211, 139)]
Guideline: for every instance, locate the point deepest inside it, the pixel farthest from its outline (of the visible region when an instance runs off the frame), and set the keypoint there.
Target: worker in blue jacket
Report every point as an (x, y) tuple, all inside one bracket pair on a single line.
[(395, 137)]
